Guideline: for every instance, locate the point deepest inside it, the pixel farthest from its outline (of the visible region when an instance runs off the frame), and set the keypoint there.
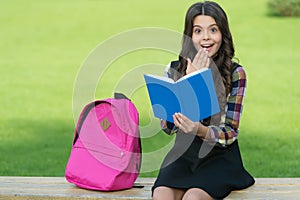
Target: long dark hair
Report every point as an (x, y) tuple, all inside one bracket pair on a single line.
[(223, 58)]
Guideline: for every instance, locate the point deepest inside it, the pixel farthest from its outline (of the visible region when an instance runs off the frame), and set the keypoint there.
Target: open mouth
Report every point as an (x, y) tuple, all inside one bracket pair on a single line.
[(207, 46)]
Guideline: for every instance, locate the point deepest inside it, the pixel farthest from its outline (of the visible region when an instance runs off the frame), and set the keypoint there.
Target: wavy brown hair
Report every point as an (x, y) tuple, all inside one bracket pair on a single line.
[(223, 58)]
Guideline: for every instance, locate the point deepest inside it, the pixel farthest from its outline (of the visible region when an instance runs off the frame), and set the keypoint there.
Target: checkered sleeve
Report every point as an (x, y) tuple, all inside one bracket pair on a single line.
[(227, 132)]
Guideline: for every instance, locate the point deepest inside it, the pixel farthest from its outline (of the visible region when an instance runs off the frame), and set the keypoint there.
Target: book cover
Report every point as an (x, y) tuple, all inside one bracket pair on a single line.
[(193, 95)]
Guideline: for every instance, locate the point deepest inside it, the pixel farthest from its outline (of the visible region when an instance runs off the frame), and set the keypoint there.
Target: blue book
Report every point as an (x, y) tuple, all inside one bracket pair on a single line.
[(193, 95)]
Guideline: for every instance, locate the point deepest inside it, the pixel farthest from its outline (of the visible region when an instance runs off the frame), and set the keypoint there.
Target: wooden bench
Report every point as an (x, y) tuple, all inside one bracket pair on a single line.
[(33, 188)]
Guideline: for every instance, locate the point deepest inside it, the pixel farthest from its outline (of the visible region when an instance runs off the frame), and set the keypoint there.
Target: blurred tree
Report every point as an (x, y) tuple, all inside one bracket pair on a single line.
[(284, 7)]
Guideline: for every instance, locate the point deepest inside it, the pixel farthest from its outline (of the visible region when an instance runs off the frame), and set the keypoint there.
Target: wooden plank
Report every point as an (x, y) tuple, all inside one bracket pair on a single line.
[(270, 188), (57, 188)]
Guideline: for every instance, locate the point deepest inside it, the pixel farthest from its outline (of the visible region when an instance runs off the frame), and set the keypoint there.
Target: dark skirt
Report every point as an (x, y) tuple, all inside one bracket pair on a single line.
[(192, 163)]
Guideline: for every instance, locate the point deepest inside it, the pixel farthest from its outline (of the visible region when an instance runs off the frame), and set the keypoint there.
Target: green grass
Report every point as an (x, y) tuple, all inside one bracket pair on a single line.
[(44, 44)]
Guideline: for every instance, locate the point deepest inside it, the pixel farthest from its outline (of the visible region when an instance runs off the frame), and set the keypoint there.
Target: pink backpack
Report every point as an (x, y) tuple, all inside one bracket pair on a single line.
[(106, 151)]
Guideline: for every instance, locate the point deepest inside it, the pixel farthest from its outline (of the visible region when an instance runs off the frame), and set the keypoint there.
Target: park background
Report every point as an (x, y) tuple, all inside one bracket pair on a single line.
[(44, 44)]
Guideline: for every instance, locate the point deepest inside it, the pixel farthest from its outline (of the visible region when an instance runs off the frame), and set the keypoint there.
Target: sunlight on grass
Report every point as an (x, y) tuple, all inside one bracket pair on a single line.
[(45, 43)]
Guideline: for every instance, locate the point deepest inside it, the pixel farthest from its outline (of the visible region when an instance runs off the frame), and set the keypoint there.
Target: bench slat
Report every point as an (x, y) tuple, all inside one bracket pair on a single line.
[(270, 188), (57, 188)]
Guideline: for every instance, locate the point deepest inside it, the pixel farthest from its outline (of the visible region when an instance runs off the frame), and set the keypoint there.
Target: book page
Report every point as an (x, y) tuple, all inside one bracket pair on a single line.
[(192, 74), (163, 78)]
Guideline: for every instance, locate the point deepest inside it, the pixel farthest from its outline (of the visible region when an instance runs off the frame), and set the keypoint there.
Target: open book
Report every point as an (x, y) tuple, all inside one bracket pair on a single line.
[(193, 95)]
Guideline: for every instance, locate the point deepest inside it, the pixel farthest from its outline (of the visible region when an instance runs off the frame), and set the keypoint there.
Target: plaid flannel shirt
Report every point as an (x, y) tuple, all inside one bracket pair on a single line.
[(226, 133)]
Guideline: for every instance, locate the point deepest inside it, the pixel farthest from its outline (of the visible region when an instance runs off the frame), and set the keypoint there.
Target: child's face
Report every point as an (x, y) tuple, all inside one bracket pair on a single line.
[(206, 34)]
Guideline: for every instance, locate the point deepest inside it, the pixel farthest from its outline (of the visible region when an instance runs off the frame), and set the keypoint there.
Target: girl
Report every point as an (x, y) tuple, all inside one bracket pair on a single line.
[(205, 161)]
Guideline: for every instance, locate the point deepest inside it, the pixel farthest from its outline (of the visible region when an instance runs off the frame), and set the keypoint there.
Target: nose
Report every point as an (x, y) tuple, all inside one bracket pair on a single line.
[(205, 35)]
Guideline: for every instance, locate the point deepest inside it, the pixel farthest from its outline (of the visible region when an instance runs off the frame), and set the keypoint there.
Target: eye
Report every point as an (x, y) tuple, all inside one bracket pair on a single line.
[(197, 30), (214, 30)]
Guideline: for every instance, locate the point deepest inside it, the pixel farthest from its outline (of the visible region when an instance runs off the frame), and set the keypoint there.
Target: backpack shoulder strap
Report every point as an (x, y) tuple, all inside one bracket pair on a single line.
[(85, 111), (234, 66), (173, 68), (174, 64), (120, 96)]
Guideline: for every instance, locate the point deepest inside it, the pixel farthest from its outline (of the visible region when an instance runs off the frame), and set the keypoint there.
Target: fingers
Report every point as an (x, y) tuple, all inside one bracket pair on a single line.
[(176, 120), (181, 121), (201, 59), (185, 124), (190, 67), (207, 63)]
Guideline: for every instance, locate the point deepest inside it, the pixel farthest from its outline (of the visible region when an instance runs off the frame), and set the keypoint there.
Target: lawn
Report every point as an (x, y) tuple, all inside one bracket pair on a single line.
[(48, 46)]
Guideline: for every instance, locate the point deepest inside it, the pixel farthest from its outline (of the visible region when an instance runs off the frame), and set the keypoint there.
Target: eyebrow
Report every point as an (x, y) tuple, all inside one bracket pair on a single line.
[(196, 25)]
